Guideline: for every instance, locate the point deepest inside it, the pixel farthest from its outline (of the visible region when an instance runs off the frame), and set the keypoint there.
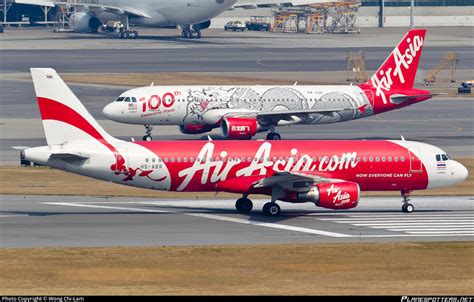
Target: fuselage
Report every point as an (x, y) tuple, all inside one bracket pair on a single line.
[(233, 166), (174, 12), (206, 105)]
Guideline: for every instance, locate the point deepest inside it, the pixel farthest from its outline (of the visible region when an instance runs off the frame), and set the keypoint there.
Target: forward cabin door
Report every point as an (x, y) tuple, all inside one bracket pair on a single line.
[(415, 162), (370, 96)]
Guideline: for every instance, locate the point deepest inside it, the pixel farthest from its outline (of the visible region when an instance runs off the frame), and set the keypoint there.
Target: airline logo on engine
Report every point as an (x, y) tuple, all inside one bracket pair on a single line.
[(339, 198), (240, 129), (212, 170), (385, 82)]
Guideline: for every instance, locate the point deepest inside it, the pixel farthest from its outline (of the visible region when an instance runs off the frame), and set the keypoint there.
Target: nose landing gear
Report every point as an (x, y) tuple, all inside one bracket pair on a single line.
[(407, 207), (147, 137)]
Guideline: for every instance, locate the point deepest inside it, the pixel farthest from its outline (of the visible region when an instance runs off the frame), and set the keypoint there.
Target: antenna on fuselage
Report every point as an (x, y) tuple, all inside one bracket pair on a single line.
[(152, 84), (296, 83), (402, 138)]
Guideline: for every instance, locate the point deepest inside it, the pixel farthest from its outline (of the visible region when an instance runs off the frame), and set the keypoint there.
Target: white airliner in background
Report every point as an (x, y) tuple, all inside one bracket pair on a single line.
[(242, 111), (191, 15)]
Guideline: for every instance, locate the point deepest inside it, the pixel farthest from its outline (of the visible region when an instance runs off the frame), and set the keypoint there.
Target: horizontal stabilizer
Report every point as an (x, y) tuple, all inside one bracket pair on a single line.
[(69, 156), (398, 99)]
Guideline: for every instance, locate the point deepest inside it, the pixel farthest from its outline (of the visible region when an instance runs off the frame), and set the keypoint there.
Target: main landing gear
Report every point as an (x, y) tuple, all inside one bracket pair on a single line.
[(272, 135), (245, 206), (189, 33), (147, 137), (407, 207), (128, 34)]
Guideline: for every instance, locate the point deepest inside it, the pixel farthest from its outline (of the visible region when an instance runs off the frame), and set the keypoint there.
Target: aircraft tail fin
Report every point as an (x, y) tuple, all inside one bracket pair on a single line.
[(399, 69), (64, 117)]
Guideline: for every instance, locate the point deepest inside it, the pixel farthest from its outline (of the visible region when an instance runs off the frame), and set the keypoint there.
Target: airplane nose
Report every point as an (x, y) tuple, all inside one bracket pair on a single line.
[(108, 111), (463, 173)]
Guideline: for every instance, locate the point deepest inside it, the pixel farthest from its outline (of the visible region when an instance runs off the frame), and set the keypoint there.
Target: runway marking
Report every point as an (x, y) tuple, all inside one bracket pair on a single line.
[(211, 216), (449, 224), (271, 225), (9, 216), (71, 204), (405, 229)]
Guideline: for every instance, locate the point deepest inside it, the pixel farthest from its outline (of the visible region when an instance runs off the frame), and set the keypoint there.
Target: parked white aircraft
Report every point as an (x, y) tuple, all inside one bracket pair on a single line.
[(242, 111), (191, 15)]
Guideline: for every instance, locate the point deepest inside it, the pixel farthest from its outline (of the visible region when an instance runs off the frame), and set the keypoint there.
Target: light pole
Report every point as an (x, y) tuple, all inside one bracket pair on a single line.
[(412, 11)]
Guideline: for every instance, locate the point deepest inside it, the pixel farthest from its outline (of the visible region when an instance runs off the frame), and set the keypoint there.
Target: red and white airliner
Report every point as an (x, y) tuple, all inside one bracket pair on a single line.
[(242, 111), (329, 174)]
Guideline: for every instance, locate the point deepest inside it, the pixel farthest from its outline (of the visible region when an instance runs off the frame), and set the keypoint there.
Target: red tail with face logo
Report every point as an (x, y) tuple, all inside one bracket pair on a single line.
[(392, 83)]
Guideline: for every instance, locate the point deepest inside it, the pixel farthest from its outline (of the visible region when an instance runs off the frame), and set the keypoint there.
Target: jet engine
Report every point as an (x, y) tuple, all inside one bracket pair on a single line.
[(239, 128), (336, 195), (84, 23), (202, 25), (194, 129)]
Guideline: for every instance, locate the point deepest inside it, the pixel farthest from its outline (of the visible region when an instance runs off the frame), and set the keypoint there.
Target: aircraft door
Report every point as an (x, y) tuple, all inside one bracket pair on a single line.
[(415, 161), (370, 96)]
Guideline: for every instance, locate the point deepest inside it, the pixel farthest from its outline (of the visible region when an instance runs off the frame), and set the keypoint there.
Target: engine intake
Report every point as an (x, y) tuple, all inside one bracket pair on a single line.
[(239, 128), (337, 196), (82, 22)]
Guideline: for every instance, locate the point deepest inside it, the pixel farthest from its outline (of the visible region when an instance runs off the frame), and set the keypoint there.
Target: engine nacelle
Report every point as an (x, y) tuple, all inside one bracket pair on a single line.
[(84, 23), (337, 195), (195, 129), (239, 128), (202, 25)]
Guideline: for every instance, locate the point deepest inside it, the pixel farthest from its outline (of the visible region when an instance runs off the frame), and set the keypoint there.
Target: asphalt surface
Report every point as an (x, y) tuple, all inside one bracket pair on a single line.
[(207, 59), (50, 221)]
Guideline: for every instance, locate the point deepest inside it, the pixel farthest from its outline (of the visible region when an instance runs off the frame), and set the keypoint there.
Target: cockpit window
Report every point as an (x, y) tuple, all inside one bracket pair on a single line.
[(134, 100), (127, 99), (119, 99), (442, 157)]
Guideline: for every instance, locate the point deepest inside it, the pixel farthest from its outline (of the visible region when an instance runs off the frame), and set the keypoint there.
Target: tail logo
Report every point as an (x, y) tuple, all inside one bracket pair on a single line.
[(385, 82)]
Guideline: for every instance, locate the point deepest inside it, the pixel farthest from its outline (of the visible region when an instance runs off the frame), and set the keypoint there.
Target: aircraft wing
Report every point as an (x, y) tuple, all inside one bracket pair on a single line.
[(272, 117), (118, 10), (289, 179), (249, 4)]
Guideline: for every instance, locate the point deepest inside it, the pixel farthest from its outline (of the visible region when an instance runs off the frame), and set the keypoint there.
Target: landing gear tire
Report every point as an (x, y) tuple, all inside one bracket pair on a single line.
[(271, 209), (149, 130), (272, 136), (198, 34), (408, 208), (126, 34), (244, 205), (135, 34)]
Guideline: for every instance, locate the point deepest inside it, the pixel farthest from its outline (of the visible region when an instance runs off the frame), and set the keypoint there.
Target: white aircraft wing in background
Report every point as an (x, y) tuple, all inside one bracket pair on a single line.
[(249, 4), (117, 10)]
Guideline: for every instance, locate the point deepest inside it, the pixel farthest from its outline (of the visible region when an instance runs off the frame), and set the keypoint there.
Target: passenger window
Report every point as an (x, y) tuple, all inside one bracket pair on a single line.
[(402, 158), (371, 159), (390, 159), (377, 159), (364, 159), (396, 158), (444, 157)]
